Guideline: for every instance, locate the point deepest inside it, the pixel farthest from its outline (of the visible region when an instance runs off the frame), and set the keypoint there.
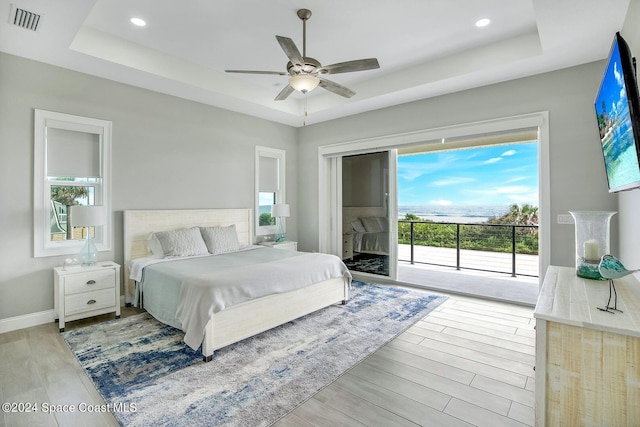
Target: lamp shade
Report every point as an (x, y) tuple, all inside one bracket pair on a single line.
[(304, 82), (87, 216), (280, 210)]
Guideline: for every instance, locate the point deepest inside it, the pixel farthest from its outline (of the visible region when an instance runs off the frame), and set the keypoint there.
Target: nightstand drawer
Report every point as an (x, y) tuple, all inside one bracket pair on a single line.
[(89, 281), (89, 301), (347, 246)]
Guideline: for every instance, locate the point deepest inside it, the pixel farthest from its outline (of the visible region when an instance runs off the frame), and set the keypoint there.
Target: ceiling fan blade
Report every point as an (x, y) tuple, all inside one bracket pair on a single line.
[(349, 66), (291, 50), (279, 73), (336, 88), (288, 90)]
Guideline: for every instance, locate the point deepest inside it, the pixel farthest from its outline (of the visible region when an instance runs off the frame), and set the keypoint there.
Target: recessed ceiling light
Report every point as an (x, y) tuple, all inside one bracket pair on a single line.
[(483, 22), (138, 22)]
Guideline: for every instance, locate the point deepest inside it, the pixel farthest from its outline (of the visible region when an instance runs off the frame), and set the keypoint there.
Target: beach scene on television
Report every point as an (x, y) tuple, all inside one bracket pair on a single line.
[(614, 123)]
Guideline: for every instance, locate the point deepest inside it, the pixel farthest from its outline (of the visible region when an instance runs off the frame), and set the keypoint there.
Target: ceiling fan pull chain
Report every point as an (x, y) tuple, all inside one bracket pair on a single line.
[(304, 121)]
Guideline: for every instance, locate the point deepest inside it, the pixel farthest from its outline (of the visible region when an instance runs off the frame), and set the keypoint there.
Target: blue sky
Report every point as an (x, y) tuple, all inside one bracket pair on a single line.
[(495, 175)]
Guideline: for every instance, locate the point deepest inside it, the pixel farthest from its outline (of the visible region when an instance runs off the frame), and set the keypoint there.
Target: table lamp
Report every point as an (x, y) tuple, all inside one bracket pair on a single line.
[(87, 216), (280, 210)]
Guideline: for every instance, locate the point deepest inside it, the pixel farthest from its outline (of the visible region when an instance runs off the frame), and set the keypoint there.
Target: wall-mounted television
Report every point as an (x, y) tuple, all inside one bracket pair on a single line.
[(618, 111)]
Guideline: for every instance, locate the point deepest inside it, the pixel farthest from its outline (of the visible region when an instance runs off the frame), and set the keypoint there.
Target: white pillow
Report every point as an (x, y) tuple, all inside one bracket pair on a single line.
[(357, 226), (371, 224), (220, 239), (154, 248), (183, 242)]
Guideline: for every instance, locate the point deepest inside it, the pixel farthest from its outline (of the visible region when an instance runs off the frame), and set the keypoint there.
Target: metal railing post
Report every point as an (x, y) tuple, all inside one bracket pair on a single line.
[(412, 240), (457, 246), (513, 251)]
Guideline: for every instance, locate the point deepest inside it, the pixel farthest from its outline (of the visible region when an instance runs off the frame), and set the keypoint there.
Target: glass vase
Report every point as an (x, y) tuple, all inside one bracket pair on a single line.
[(592, 241)]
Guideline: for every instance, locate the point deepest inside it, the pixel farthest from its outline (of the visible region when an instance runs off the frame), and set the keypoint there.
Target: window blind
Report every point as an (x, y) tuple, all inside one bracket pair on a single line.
[(72, 154), (268, 168)]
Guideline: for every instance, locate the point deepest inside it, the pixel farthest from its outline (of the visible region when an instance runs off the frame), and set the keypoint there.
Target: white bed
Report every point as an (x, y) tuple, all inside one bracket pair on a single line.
[(245, 319)]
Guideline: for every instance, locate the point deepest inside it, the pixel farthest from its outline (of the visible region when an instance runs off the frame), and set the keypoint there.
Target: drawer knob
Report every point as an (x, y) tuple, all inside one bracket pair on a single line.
[(91, 282), (91, 301)]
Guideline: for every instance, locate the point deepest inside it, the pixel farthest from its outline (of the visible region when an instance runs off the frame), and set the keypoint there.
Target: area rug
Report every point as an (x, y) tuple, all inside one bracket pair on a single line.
[(148, 376), (369, 263)]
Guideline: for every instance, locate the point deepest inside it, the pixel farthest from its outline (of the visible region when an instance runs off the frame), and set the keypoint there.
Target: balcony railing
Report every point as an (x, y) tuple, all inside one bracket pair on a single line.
[(499, 248)]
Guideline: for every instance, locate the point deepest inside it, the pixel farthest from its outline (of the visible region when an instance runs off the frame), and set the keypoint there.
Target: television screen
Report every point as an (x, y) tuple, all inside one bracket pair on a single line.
[(617, 108)]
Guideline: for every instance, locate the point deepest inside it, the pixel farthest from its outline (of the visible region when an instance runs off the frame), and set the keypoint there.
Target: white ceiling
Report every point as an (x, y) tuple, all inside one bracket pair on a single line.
[(425, 47)]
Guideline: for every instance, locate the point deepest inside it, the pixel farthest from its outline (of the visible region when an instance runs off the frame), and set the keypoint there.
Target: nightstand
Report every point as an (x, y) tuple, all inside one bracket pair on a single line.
[(287, 245), (347, 246), (86, 291)]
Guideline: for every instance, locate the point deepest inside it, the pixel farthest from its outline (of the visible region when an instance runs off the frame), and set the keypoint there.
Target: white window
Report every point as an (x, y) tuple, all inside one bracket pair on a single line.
[(72, 166), (270, 187)]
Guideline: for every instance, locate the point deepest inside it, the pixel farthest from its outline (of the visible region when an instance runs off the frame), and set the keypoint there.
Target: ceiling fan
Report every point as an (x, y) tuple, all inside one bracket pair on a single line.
[(306, 73)]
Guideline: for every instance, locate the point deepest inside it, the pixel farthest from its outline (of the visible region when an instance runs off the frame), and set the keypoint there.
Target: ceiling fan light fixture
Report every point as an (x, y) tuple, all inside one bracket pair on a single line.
[(304, 82)]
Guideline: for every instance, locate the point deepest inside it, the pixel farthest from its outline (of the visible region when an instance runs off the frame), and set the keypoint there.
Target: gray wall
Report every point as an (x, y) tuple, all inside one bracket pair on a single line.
[(363, 180), (168, 153), (577, 175)]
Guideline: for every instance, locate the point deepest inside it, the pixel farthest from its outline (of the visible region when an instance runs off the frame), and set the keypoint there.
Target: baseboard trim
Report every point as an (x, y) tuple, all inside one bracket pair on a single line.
[(26, 321)]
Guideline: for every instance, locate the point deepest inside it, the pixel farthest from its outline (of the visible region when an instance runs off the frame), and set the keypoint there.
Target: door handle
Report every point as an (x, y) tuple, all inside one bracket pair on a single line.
[(91, 301), (91, 282)]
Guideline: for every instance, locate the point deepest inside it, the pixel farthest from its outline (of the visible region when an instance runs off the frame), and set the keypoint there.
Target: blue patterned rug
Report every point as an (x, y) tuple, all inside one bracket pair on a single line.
[(369, 263), (150, 377)]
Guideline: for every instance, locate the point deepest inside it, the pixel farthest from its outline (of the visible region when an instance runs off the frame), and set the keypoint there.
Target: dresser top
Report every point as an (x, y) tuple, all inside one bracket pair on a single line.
[(567, 298)]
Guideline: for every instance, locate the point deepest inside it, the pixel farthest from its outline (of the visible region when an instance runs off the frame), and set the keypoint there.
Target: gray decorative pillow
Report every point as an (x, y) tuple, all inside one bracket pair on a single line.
[(220, 239), (371, 224), (357, 226), (183, 242)]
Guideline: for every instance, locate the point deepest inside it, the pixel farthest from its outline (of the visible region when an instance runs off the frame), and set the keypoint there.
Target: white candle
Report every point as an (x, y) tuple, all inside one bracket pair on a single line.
[(591, 250)]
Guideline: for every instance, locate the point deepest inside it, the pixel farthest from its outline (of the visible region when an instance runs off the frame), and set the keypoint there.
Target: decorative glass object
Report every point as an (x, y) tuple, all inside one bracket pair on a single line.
[(592, 241)]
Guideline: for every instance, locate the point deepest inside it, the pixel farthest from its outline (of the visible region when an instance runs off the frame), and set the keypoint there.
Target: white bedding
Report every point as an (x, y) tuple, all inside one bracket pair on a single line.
[(233, 279), (371, 242)]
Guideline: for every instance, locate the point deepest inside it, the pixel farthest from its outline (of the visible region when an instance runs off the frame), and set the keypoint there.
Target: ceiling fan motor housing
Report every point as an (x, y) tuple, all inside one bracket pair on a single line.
[(310, 66)]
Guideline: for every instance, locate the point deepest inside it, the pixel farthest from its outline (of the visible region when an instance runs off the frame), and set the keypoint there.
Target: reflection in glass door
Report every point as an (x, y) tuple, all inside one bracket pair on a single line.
[(369, 213)]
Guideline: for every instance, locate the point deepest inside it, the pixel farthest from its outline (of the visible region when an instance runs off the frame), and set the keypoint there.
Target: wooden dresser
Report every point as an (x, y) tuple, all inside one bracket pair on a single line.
[(587, 360)]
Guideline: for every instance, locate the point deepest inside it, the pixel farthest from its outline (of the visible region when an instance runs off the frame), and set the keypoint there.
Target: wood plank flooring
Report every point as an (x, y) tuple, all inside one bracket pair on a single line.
[(468, 363)]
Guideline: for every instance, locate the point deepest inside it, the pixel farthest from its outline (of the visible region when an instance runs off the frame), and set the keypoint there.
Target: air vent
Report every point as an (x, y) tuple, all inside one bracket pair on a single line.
[(25, 19)]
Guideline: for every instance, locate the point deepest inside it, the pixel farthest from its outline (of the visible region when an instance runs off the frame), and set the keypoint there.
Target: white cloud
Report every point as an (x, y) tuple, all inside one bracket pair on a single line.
[(508, 153), (493, 160), (455, 180), (617, 74), (518, 178)]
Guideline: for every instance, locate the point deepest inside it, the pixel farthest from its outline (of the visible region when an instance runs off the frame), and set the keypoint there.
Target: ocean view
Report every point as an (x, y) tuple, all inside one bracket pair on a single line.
[(460, 214)]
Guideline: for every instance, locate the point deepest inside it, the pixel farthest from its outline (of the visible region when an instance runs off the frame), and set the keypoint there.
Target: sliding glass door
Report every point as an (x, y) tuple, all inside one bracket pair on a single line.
[(361, 222)]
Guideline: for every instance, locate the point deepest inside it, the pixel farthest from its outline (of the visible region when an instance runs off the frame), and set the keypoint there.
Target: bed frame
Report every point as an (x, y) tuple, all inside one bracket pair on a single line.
[(244, 320)]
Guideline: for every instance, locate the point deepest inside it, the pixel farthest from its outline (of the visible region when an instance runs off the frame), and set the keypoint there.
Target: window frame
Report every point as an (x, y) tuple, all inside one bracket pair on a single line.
[(280, 193), (44, 246)]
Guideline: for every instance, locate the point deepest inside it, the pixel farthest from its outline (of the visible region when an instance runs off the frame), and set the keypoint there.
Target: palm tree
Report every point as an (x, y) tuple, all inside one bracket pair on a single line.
[(411, 217), (68, 195), (525, 215)]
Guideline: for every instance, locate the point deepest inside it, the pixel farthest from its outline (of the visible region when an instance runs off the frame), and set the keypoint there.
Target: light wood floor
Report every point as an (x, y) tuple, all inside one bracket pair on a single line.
[(469, 362)]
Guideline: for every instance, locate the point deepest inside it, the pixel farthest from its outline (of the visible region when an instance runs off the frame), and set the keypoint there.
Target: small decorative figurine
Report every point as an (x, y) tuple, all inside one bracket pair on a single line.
[(611, 268)]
